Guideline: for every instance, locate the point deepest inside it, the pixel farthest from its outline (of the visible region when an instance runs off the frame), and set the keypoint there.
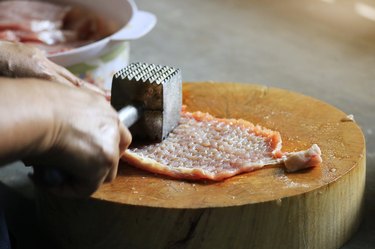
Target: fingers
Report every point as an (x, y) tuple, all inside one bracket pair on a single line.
[(113, 154), (63, 75), (29, 61), (59, 79), (125, 138), (81, 83), (117, 138), (112, 171), (94, 88), (123, 142), (90, 141)]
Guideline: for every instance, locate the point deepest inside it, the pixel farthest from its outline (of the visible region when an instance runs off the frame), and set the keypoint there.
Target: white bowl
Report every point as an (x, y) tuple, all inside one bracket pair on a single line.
[(98, 61)]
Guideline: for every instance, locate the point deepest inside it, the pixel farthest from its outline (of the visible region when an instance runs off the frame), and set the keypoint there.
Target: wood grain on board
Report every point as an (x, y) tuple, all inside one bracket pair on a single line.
[(267, 208)]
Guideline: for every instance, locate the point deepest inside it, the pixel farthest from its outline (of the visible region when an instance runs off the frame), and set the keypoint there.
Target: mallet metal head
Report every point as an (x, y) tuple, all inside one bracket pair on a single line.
[(156, 90)]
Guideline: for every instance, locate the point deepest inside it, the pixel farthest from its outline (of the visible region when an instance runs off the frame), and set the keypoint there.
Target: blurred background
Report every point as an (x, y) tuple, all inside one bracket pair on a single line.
[(321, 48)]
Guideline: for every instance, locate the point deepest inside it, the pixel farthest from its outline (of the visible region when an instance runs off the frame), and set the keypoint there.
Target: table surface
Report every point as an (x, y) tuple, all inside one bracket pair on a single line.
[(324, 49)]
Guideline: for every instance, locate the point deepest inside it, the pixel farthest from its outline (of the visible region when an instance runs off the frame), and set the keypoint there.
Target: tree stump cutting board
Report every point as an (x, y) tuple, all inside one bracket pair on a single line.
[(267, 208)]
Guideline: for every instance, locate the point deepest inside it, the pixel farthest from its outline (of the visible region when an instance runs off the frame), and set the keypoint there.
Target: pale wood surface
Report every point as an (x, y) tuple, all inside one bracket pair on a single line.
[(302, 122), (317, 208)]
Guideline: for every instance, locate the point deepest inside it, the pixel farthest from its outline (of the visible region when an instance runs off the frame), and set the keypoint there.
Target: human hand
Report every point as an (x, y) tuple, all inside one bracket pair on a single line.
[(84, 141), (19, 60)]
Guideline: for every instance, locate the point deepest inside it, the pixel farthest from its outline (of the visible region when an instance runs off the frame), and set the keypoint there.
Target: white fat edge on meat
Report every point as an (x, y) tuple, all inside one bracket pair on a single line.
[(295, 161)]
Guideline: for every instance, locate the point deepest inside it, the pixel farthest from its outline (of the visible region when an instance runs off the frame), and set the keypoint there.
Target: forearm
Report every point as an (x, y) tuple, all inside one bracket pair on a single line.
[(26, 119)]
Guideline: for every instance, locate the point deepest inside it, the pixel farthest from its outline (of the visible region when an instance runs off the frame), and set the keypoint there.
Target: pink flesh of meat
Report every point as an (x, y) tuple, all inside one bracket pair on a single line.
[(8, 36), (51, 27), (31, 15), (204, 147), (38, 23)]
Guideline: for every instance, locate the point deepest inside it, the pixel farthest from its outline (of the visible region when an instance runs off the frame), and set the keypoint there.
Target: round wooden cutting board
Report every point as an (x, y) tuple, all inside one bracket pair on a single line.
[(267, 208)]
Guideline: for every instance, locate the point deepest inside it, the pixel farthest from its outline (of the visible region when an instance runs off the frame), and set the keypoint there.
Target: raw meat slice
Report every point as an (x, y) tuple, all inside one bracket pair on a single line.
[(29, 21), (50, 37), (31, 15), (53, 28), (205, 147), (8, 35)]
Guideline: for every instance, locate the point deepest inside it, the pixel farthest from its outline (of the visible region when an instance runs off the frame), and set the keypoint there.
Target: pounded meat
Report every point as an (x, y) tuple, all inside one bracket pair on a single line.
[(205, 147)]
